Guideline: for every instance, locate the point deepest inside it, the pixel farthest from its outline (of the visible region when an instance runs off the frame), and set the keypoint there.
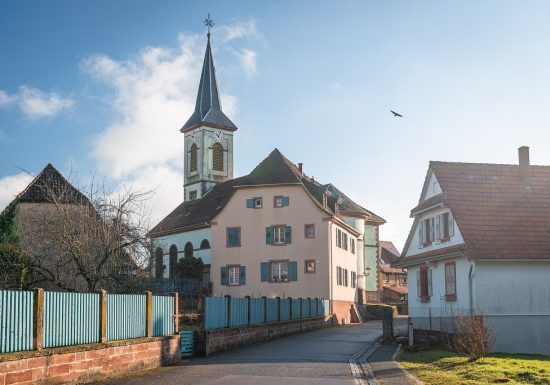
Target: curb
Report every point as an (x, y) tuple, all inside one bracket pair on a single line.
[(360, 369)]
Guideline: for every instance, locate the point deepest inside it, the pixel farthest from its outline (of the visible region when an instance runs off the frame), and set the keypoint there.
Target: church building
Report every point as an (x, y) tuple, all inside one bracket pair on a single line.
[(275, 232)]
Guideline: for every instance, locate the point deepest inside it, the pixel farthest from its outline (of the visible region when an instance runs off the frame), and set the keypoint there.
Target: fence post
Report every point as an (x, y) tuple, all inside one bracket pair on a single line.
[(265, 309), (176, 312), (249, 306), (411, 337), (102, 316), (278, 309), (301, 312), (228, 298), (290, 308), (149, 314), (38, 318)]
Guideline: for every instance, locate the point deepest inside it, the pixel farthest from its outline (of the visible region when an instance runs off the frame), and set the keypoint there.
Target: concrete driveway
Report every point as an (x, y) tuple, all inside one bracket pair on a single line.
[(318, 357)]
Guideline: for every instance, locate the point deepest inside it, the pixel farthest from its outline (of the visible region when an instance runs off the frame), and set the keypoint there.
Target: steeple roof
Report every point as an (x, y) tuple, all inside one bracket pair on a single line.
[(208, 109)]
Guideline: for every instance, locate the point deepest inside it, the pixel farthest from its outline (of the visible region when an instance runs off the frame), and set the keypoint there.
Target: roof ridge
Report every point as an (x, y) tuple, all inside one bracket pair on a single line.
[(436, 162)]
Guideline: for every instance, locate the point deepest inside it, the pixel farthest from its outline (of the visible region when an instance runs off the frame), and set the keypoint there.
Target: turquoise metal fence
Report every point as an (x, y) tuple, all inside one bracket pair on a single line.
[(16, 320), (285, 309), (125, 316), (70, 319), (215, 313), (272, 309), (305, 307), (239, 312), (296, 308), (257, 311), (163, 315)]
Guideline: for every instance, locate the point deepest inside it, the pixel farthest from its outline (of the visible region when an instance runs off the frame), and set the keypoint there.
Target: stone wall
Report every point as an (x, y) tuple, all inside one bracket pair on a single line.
[(224, 339), (85, 363)]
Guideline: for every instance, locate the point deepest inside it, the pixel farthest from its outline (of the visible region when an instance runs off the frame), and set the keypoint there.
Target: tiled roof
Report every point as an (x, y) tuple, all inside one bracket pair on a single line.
[(347, 204), (387, 268), (398, 289), (498, 216), (208, 109), (450, 250), (275, 169)]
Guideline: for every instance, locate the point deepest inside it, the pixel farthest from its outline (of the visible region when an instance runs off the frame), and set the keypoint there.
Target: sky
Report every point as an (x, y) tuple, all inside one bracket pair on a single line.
[(100, 89)]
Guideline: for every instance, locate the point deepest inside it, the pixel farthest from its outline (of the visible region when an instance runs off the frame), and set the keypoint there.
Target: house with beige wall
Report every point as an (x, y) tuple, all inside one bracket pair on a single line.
[(275, 232)]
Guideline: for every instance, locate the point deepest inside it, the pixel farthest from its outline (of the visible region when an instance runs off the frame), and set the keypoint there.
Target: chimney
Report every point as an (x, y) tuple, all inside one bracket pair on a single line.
[(524, 171), (300, 167)]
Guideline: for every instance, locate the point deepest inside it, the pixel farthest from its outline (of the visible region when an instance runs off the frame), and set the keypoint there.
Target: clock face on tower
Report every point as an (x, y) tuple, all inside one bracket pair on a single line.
[(193, 137), (217, 135)]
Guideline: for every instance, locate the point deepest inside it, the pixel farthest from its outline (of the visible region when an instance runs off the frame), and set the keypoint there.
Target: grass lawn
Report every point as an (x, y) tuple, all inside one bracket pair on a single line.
[(440, 367)]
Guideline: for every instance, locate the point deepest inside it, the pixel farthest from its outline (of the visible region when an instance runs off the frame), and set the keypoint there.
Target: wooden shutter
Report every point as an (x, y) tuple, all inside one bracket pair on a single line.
[(418, 284), (285, 201), (293, 271), (288, 234), (242, 275), (224, 275), (438, 227), (430, 292), (250, 203), (269, 235), (451, 224), (217, 157), (193, 158), (420, 233), (264, 271)]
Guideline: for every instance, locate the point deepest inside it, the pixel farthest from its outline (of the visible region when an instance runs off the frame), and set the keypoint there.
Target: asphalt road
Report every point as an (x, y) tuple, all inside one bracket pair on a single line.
[(318, 357)]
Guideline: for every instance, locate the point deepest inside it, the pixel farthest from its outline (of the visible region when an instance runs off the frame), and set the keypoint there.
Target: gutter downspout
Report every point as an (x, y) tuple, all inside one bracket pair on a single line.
[(470, 289), (330, 296)]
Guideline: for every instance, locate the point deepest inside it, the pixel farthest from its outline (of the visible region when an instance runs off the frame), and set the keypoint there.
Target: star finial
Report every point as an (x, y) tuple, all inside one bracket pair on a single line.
[(209, 23)]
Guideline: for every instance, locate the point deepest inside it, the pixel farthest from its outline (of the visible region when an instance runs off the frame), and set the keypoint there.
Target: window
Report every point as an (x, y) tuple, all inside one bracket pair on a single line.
[(338, 238), (280, 201), (188, 250), (450, 281), (309, 231), (159, 267), (278, 235), (193, 194), (426, 235), (344, 241), (310, 266), (254, 203), (217, 157), (341, 276), (353, 279), (173, 261), (233, 275), (424, 284), (233, 236), (345, 277), (387, 277), (445, 225), (352, 245), (279, 271), (193, 158), (205, 244)]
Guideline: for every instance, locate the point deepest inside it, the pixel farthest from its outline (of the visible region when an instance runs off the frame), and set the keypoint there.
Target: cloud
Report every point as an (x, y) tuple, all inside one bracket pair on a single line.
[(36, 104), (248, 60), (12, 185), (153, 94), (237, 31)]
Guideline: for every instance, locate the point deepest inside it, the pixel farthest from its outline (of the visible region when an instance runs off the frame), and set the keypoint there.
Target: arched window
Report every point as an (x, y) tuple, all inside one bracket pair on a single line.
[(188, 250), (217, 157), (193, 160), (159, 267), (205, 244), (173, 253)]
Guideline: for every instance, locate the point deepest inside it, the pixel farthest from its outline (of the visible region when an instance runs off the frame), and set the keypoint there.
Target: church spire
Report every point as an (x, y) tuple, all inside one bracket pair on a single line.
[(208, 110)]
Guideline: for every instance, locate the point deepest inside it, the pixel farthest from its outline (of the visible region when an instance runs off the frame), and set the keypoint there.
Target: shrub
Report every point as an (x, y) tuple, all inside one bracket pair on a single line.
[(473, 337)]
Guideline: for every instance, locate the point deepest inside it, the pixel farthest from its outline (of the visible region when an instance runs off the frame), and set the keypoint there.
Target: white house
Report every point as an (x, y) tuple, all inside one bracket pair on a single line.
[(480, 241)]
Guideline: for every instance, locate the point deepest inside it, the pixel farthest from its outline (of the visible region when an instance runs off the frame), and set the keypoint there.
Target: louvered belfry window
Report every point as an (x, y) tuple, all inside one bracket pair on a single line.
[(217, 157), (193, 166)]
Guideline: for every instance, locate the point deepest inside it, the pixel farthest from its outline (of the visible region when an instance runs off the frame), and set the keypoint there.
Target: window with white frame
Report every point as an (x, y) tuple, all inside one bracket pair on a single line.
[(344, 241), (233, 273), (438, 228), (450, 281), (279, 234), (279, 271), (352, 245)]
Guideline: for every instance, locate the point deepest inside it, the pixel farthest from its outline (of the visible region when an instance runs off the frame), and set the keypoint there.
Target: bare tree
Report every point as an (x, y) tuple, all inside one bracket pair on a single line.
[(84, 242)]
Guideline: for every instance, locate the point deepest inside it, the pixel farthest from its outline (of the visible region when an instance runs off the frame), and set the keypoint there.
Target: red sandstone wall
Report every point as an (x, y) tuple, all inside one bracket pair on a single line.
[(87, 363)]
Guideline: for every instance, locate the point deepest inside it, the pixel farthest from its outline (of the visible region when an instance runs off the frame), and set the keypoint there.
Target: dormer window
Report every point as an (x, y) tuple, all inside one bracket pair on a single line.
[(438, 228)]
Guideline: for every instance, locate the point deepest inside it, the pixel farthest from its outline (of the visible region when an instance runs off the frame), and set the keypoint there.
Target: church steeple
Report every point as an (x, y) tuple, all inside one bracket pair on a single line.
[(208, 157), (208, 109)]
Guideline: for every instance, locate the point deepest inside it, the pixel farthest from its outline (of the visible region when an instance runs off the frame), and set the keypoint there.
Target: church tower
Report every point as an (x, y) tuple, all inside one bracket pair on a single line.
[(208, 136)]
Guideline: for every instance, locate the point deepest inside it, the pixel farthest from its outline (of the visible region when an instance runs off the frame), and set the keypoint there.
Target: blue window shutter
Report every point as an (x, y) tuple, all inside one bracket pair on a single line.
[(237, 237), (293, 271), (285, 201), (268, 236), (250, 203), (288, 234), (224, 275), (242, 275), (265, 272)]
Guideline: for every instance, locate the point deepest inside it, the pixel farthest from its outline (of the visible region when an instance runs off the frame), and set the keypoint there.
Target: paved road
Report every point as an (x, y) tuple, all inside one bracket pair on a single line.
[(318, 357)]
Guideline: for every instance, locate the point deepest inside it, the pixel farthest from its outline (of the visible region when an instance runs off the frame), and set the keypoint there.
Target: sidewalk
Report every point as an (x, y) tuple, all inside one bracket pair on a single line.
[(384, 370)]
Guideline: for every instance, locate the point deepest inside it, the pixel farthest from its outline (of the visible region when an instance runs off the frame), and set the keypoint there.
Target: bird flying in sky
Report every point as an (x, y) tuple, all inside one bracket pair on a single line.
[(395, 114)]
